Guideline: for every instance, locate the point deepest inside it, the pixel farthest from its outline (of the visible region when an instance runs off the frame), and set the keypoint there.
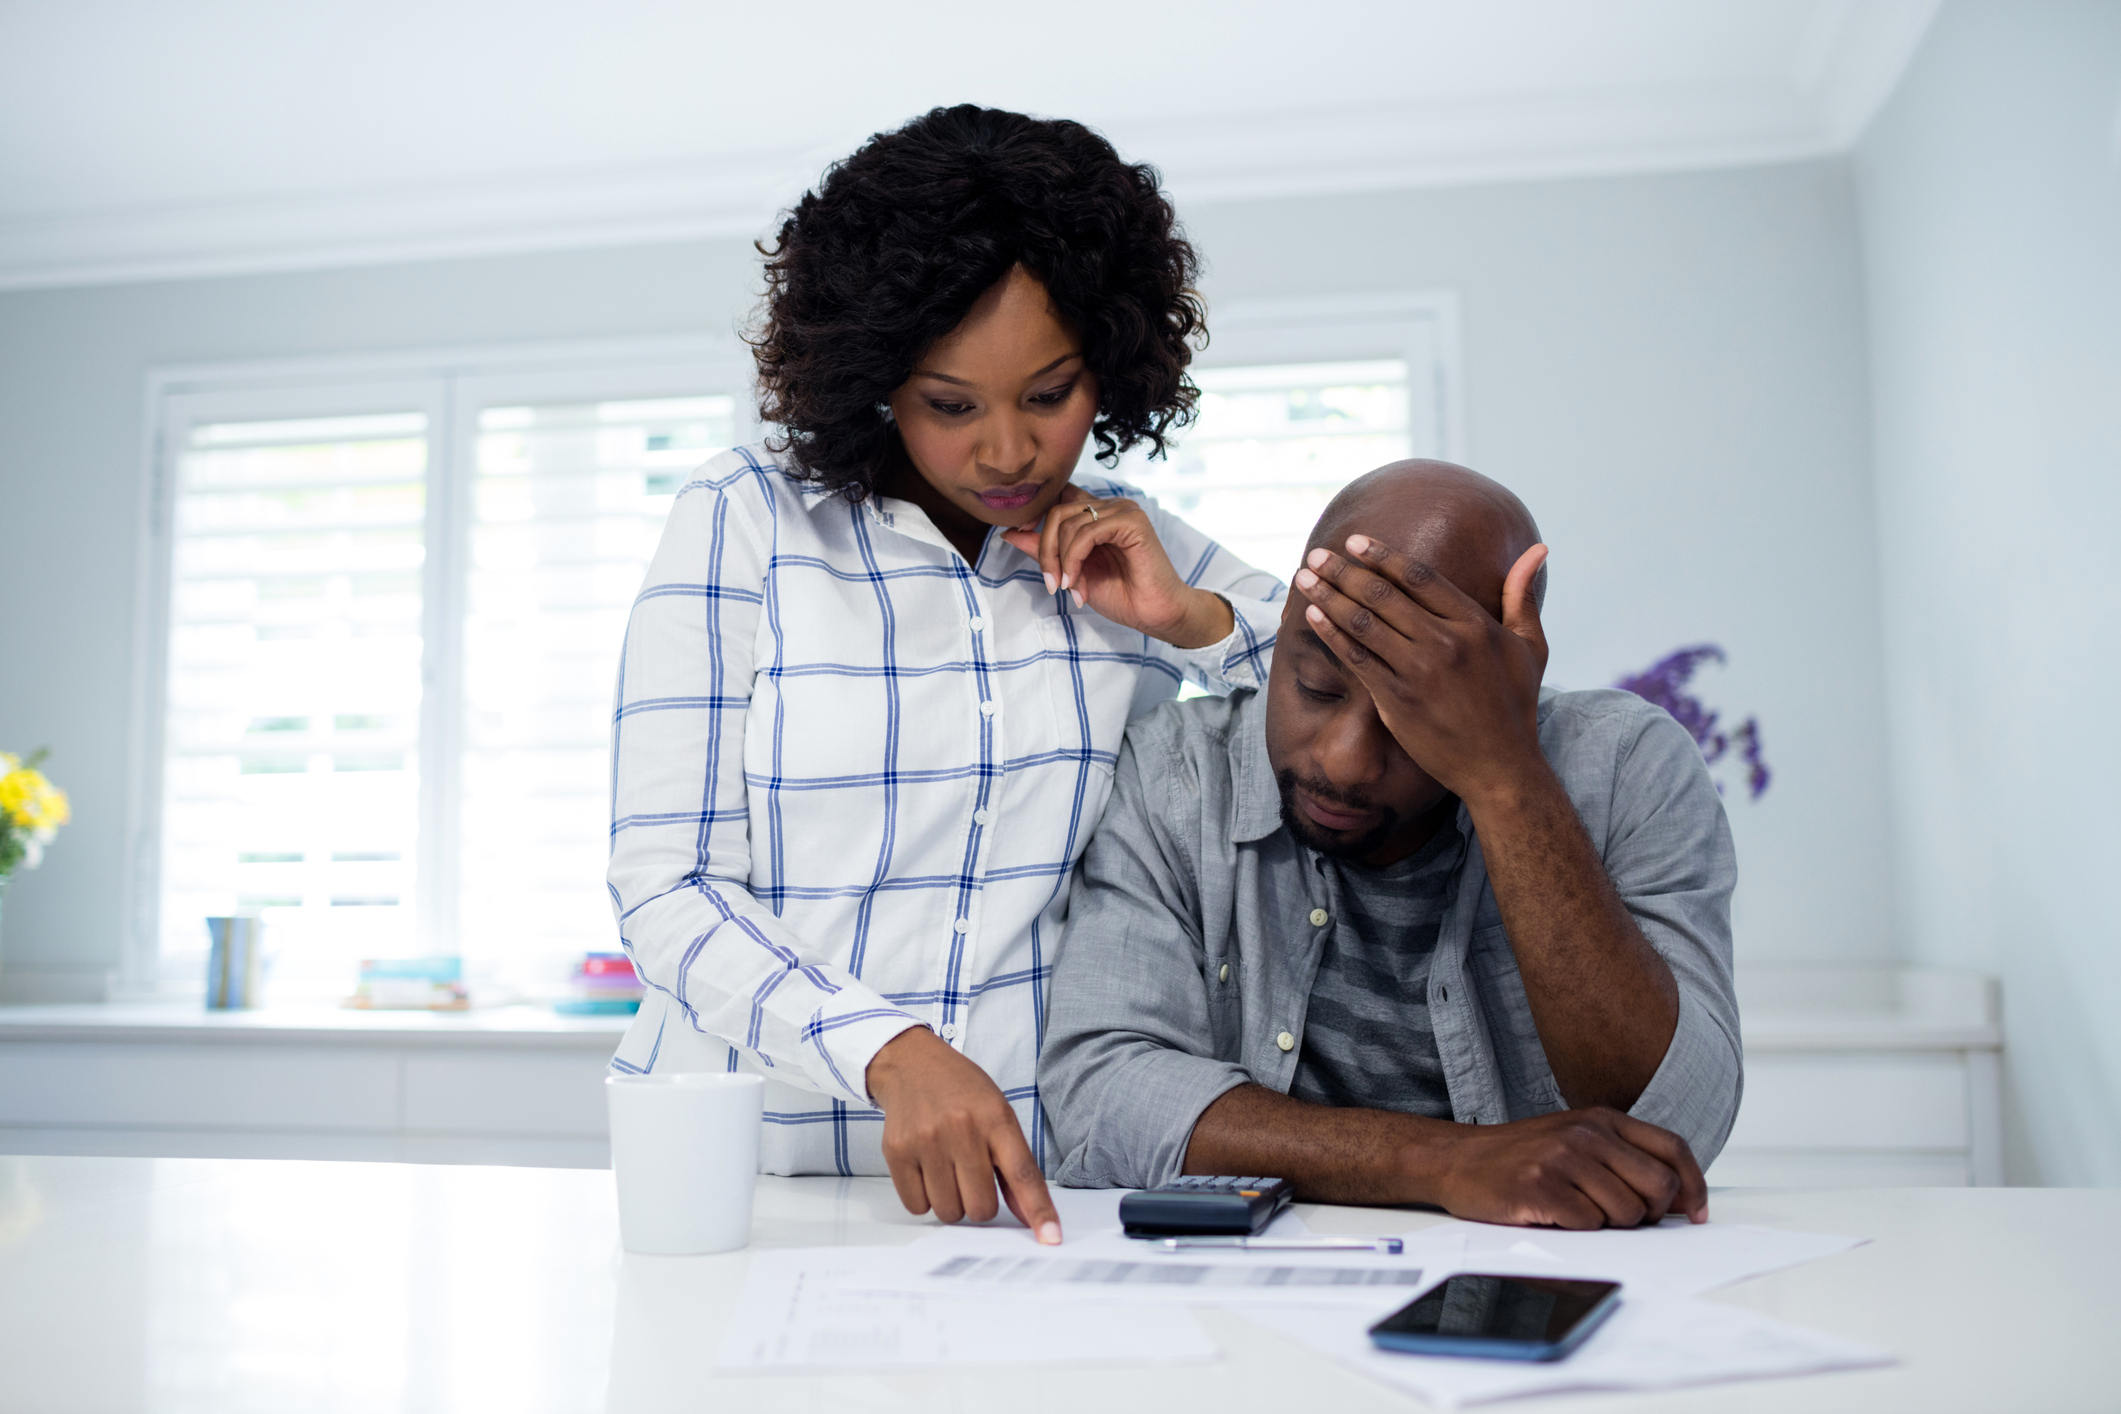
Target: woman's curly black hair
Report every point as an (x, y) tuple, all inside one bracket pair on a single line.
[(895, 245)]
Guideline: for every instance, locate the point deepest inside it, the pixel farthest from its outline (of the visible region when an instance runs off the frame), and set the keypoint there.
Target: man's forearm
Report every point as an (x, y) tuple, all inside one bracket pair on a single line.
[(1604, 1001), (1331, 1155)]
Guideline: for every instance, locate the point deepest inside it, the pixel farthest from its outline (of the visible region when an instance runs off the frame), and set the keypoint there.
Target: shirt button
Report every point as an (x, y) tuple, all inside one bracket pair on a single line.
[(962, 926), (1318, 920), (978, 624), (1285, 1041), (1224, 975), (980, 817), (949, 1031), (988, 709)]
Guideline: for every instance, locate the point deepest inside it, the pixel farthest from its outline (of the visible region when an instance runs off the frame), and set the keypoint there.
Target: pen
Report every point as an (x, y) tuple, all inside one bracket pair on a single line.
[(1391, 1245)]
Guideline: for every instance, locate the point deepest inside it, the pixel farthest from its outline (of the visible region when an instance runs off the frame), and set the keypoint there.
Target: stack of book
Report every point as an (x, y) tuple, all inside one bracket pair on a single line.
[(604, 985), (411, 984)]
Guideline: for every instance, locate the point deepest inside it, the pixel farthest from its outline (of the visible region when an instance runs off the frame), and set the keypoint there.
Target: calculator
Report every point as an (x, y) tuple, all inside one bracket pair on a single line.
[(1200, 1205)]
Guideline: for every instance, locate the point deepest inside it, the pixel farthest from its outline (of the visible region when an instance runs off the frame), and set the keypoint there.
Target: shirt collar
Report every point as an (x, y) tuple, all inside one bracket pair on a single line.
[(1258, 798)]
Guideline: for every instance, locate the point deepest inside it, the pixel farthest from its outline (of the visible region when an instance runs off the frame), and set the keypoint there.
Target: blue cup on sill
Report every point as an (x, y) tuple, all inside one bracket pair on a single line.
[(233, 963)]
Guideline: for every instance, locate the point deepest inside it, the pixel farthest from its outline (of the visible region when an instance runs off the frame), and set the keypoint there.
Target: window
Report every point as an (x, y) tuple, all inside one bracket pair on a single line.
[(1297, 400), (569, 500), (393, 618), (292, 755), (377, 692)]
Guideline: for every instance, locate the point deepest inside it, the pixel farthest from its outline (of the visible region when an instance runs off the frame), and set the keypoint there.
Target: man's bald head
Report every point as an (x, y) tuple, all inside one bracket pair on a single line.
[(1470, 529)]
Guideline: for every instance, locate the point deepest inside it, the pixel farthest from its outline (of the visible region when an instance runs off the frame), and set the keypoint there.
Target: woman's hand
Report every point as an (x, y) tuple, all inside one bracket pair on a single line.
[(1106, 554), (949, 1136)]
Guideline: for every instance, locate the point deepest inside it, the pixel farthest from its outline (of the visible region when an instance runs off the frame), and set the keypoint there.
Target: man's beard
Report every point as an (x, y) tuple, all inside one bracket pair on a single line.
[(1333, 846)]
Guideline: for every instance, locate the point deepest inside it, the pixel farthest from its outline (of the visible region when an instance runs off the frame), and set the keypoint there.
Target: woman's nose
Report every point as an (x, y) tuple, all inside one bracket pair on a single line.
[(1010, 448)]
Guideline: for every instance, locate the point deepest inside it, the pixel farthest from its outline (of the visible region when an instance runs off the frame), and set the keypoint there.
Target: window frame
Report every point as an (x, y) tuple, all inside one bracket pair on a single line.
[(450, 387), (1419, 327)]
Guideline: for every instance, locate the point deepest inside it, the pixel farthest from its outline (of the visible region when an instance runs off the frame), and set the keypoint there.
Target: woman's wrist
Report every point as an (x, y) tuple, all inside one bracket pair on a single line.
[(1208, 619)]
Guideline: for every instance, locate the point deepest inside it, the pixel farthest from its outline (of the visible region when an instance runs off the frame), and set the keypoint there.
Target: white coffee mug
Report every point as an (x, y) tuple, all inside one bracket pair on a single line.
[(685, 1149)]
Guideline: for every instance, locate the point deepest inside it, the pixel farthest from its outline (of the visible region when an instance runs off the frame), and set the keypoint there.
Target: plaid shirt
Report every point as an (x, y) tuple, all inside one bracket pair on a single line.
[(851, 776)]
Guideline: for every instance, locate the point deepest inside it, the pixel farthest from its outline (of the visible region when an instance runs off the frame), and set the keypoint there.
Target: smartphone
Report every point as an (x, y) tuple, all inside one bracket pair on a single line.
[(1498, 1317)]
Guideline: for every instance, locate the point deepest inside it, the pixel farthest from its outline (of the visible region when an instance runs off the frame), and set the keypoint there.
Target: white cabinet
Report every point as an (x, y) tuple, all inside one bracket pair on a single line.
[(514, 1086), (1866, 1076)]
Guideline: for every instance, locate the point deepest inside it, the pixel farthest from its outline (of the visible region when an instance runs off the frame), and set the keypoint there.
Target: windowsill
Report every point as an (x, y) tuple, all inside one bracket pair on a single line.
[(1865, 1007), (513, 1027)]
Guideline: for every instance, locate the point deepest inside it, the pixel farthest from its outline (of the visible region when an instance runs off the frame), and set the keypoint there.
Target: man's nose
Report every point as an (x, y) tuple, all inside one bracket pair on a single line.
[(1351, 748)]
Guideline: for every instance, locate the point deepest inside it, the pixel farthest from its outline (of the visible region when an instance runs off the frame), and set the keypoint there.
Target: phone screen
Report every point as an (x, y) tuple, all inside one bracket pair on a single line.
[(1475, 1310)]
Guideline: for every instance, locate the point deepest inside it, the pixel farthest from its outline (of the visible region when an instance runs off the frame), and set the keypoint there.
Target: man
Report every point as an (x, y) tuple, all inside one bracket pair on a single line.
[(1407, 929)]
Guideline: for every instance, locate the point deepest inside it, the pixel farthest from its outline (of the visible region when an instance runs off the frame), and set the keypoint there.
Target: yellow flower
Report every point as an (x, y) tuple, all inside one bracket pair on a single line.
[(28, 800)]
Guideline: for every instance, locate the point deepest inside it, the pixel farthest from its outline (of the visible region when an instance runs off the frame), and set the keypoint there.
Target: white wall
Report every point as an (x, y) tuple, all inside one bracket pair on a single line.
[(1991, 216), (1670, 369), (1671, 372)]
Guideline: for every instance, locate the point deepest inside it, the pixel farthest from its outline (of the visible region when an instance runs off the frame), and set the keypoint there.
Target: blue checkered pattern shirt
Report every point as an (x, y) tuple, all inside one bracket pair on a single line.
[(851, 776)]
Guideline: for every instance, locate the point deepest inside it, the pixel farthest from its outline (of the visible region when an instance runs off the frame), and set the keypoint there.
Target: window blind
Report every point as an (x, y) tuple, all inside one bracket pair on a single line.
[(570, 500), (291, 764), (1272, 444)]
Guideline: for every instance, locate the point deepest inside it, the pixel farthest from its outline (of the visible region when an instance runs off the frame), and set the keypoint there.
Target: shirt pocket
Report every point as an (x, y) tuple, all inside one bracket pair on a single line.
[(1090, 679), (1528, 1081)]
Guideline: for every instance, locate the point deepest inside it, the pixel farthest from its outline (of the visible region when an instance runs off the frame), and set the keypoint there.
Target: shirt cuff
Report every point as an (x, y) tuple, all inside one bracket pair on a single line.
[(837, 1050), (1240, 658), (1695, 1091)]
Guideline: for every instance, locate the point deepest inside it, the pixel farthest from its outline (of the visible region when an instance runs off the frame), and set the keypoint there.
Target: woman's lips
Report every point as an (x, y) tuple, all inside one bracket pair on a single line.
[(1011, 498), (1328, 818)]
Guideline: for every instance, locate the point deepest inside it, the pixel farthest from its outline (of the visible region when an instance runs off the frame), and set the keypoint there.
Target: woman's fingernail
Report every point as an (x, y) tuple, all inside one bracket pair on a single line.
[(1358, 544), (1078, 595), (1052, 585), (1064, 580), (1317, 559), (1305, 579), (1049, 1234)]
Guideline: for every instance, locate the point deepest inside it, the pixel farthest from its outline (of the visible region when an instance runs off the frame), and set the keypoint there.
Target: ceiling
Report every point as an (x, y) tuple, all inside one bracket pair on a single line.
[(148, 139)]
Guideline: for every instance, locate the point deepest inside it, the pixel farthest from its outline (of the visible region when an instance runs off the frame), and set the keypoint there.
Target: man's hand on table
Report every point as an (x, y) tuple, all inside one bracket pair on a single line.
[(1575, 1169), (950, 1137)]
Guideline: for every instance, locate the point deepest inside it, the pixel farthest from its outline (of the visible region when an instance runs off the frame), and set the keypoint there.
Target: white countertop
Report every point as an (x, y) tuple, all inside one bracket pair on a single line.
[(515, 1026), (223, 1285)]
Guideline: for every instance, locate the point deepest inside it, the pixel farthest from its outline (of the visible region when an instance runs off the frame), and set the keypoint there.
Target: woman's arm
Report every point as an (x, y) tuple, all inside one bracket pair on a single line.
[(680, 826)]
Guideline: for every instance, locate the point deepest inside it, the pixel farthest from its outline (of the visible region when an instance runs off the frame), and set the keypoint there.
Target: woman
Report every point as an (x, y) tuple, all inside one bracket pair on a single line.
[(874, 686)]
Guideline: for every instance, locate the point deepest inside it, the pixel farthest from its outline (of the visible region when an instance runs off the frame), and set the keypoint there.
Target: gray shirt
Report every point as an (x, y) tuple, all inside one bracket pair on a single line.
[(1367, 1038), (1197, 924)]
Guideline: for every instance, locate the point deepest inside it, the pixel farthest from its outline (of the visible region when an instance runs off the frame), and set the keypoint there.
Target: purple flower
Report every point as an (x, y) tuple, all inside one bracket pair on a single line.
[(1664, 683)]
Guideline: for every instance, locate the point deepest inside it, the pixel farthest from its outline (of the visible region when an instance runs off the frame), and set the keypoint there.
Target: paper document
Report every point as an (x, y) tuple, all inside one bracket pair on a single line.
[(1098, 1261), (1171, 1276), (802, 1309), (1674, 1256), (1652, 1342)]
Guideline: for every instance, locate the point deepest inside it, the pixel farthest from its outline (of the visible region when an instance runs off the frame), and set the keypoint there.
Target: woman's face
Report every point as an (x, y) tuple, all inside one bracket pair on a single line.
[(995, 414)]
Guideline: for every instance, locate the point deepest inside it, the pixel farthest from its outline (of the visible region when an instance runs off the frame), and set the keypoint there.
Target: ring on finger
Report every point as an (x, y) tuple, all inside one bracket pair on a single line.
[(1093, 514)]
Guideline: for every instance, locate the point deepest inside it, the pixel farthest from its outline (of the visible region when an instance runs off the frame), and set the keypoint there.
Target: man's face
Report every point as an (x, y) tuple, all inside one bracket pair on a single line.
[(1348, 789)]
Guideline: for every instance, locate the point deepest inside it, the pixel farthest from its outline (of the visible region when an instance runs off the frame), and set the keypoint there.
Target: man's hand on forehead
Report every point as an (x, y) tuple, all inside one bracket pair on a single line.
[(1458, 690)]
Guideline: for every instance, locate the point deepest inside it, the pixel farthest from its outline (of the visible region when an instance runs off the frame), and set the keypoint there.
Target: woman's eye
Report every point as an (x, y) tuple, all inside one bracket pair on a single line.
[(1054, 398), (950, 409)]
